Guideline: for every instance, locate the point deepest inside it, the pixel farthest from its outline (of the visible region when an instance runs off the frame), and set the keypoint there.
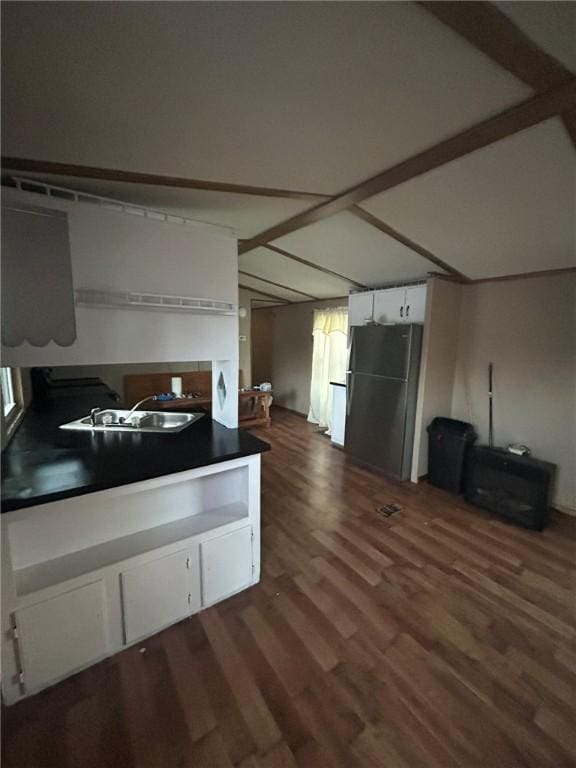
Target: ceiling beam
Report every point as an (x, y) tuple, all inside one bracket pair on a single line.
[(507, 123), (569, 119), (317, 267), (374, 221), (261, 301), (277, 285), (261, 293), (24, 165), (523, 275), (494, 33)]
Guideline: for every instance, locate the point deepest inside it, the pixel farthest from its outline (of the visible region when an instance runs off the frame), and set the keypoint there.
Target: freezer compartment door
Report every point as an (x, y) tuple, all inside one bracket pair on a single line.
[(382, 350), (375, 422)]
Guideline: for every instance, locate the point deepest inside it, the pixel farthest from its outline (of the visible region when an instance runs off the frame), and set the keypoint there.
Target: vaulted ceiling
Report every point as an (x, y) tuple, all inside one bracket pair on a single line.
[(348, 144)]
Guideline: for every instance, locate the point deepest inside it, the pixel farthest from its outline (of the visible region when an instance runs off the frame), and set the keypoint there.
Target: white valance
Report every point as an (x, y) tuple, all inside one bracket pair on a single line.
[(37, 287), (333, 320)]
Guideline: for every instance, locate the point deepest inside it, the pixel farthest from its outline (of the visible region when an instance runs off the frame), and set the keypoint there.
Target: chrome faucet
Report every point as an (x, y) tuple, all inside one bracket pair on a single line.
[(93, 413), (138, 404)]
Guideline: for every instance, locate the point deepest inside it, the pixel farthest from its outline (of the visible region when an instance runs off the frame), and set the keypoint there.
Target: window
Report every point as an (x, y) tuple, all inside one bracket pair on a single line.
[(11, 397), (329, 358), (8, 399)]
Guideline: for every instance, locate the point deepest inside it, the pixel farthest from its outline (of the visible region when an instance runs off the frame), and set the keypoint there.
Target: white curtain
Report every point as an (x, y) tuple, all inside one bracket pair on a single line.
[(329, 359)]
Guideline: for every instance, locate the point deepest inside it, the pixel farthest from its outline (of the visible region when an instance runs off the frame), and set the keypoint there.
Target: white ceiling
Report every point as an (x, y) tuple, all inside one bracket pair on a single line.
[(271, 289), (312, 97), (351, 247), (273, 266), (509, 204)]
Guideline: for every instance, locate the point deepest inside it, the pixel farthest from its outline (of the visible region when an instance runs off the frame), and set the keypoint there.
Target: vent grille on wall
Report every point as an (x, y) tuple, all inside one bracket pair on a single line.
[(134, 300), (110, 203)]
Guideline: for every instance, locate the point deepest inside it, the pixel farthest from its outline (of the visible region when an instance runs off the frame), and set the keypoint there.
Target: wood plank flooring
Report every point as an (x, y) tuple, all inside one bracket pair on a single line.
[(436, 638)]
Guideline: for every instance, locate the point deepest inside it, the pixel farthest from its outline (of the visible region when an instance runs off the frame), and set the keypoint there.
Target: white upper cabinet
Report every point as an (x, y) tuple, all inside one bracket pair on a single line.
[(389, 305), (415, 304), (360, 308)]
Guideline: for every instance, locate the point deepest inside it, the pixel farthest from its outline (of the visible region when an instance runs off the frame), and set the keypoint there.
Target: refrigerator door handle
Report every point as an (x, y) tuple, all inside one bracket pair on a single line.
[(349, 391)]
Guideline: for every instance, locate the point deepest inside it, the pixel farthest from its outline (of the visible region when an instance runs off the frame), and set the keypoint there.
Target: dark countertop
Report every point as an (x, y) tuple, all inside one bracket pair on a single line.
[(43, 463)]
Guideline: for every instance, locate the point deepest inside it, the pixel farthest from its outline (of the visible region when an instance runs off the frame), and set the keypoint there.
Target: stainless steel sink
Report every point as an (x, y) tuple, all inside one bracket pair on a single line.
[(139, 421)]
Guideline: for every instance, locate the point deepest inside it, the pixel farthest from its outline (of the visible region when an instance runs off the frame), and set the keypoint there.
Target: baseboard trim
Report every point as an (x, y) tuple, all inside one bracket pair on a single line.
[(564, 510), (290, 410)]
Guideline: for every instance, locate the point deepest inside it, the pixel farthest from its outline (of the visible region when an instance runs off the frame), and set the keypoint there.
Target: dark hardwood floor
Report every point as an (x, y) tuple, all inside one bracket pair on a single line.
[(436, 638)]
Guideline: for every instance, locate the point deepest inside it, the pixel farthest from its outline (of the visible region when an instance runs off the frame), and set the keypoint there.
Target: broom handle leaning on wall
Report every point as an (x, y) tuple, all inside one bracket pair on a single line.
[(490, 409)]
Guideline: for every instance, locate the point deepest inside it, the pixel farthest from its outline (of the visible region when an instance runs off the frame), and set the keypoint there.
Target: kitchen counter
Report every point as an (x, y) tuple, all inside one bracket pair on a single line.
[(44, 463)]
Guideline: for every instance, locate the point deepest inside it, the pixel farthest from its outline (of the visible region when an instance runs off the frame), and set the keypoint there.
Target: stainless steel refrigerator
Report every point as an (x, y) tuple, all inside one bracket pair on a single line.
[(382, 386)]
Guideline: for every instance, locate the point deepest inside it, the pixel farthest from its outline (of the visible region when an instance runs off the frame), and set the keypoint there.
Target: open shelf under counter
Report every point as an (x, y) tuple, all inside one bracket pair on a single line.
[(86, 576), (51, 572)]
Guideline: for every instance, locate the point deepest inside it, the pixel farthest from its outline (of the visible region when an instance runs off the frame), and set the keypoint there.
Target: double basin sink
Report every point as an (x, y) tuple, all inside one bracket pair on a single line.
[(137, 421)]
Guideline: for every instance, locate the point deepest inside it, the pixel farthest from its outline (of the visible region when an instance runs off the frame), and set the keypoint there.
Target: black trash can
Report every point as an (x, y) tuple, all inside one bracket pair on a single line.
[(448, 442)]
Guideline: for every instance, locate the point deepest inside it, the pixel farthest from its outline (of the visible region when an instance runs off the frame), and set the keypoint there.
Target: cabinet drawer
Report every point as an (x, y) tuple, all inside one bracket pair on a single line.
[(61, 635), (226, 565), (160, 593)]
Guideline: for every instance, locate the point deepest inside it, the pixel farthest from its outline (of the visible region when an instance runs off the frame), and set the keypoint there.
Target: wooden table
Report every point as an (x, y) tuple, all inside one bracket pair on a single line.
[(257, 408), (253, 406)]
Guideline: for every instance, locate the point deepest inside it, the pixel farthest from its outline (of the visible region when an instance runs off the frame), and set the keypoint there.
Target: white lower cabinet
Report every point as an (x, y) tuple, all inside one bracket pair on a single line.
[(160, 593), (227, 564), (67, 632), (61, 635), (83, 578)]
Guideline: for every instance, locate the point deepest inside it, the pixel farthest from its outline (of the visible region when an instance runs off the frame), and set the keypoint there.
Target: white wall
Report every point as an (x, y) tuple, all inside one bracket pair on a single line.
[(292, 352), (117, 251), (244, 330), (111, 250), (527, 329), (439, 350), (262, 344)]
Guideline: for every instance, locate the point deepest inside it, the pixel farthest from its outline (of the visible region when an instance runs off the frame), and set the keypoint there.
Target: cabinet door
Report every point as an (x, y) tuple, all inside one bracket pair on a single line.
[(160, 593), (360, 308), (60, 635), (415, 304), (389, 305), (226, 565)]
